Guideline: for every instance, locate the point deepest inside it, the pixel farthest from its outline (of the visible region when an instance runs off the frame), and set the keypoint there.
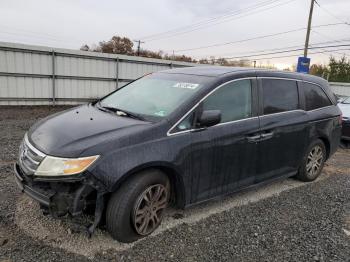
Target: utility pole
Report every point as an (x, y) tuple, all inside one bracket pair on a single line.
[(139, 42), (308, 28)]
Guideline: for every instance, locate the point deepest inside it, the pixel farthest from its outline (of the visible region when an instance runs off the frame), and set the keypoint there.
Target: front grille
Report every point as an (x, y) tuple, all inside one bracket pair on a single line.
[(29, 157)]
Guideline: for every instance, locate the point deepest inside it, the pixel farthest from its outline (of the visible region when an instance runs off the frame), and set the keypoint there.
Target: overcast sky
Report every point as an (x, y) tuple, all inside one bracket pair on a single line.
[(69, 24)]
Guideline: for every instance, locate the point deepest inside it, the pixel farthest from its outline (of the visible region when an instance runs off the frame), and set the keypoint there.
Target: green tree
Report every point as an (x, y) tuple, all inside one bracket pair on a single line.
[(339, 70), (319, 70)]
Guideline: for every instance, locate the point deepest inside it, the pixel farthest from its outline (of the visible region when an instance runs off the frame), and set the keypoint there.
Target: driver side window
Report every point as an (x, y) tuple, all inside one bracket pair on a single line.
[(234, 100)]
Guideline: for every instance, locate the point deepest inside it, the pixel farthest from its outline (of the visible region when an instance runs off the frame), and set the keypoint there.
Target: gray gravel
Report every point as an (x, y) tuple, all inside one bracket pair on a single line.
[(307, 223)]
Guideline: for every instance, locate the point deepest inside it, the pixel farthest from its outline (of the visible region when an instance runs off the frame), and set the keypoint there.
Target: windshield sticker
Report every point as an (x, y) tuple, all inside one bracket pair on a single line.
[(160, 113), (186, 85)]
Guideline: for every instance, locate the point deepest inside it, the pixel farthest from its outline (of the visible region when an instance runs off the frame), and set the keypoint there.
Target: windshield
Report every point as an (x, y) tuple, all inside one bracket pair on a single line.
[(155, 96)]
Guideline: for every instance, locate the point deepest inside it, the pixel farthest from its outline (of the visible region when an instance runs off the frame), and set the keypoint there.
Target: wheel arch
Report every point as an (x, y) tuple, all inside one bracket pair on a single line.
[(176, 180), (327, 145)]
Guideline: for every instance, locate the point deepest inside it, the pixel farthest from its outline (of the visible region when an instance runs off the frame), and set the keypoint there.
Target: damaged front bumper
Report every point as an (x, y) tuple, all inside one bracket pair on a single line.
[(61, 196)]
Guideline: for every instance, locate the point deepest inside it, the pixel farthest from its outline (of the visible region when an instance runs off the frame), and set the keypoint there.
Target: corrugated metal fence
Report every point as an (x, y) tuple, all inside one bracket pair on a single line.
[(342, 89), (35, 75)]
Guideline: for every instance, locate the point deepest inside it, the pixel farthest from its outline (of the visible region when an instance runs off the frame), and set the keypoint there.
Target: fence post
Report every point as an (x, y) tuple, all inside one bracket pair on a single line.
[(117, 73), (53, 78)]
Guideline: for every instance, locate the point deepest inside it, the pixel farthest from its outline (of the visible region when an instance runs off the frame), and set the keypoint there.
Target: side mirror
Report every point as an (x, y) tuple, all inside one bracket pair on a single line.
[(209, 118)]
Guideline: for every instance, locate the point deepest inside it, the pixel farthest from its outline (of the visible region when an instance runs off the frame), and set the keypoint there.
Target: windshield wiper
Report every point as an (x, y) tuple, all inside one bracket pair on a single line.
[(121, 112)]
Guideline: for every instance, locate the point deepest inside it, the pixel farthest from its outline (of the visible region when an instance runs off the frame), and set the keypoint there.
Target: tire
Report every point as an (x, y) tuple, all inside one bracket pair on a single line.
[(121, 220), (309, 170)]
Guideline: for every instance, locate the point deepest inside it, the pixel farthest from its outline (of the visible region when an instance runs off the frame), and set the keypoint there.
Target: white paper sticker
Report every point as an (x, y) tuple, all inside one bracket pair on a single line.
[(186, 85)]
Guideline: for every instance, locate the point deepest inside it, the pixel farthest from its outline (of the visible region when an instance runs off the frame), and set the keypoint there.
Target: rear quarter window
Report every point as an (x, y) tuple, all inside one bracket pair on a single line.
[(315, 97)]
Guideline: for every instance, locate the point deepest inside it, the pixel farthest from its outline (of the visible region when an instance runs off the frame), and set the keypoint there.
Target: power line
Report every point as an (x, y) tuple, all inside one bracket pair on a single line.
[(331, 14), (218, 22), (240, 41), (263, 51), (230, 13), (330, 38), (285, 51), (253, 38), (295, 55)]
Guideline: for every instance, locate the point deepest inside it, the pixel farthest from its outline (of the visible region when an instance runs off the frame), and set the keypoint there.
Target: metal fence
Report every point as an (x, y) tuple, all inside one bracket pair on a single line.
[(342, 89), (33, 75)]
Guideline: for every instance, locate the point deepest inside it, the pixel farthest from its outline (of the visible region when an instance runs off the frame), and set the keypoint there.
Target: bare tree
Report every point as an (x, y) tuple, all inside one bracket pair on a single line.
[(85, 47), (117, 45)]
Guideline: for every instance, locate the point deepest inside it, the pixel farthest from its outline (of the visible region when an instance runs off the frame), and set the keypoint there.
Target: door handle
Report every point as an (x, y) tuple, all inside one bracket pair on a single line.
[(267, 135), (253, 138)]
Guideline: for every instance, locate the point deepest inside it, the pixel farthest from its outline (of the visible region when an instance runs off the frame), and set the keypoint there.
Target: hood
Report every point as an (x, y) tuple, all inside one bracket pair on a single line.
[(69, 133), (345, 109)]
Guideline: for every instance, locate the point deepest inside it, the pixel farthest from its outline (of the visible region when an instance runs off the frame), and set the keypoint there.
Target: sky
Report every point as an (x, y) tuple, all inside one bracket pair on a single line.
[(72, 23)]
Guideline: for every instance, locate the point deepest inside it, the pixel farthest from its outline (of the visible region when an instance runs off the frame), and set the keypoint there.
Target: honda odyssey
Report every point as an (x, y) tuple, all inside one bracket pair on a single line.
[(177, 137)]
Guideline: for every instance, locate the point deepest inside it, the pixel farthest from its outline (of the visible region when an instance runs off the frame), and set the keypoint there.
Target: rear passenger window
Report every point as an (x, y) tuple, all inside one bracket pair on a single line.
[(279, 95), (315, 97)]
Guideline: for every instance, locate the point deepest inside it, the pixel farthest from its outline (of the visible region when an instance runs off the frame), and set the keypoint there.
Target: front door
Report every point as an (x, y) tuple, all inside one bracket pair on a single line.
[(223, 156)]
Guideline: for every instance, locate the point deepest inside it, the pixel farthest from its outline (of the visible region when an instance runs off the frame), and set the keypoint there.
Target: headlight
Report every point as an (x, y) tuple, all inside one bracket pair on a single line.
[(55, 166)]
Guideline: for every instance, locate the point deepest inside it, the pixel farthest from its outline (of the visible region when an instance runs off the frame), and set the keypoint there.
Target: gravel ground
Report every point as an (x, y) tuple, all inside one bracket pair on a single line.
[(284, 221)]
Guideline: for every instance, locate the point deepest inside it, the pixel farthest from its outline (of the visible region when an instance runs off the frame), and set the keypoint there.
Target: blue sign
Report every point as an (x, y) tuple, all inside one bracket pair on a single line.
[(303, 65)]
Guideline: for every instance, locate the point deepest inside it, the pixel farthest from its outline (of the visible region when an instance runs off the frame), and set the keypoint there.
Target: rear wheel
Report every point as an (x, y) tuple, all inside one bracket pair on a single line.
[(137, 208), (313, 161)]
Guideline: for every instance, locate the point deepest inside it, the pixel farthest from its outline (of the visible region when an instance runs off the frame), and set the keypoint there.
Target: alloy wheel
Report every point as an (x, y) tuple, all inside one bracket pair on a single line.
[(149, 209), (314, 161)]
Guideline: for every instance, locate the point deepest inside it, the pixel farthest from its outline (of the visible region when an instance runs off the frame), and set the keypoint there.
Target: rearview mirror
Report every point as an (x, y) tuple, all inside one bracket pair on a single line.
[(209, 118)]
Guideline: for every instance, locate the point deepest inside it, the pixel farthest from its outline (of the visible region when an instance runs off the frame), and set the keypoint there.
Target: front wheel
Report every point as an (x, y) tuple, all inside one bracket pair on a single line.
[(137, 208), (313, 162)]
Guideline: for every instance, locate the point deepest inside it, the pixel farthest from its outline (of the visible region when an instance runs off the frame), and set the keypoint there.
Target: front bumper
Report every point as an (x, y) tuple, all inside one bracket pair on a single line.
[(61, 196), (40, 195)]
